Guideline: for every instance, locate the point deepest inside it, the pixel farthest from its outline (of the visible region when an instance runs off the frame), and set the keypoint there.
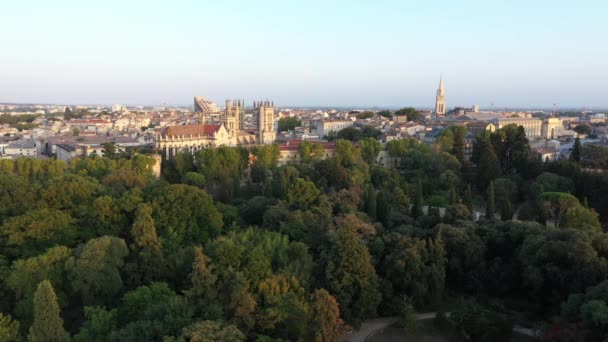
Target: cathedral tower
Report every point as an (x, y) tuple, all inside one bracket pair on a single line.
[(234, 116), (440, 99), (265, 113)]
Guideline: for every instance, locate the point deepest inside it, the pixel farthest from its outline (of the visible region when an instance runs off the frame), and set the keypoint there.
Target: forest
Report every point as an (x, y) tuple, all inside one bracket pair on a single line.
[(228, 245)]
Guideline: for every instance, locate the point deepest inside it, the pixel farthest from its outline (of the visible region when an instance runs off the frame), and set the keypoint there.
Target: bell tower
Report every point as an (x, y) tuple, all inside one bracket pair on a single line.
[(440, 98), (265, 113), (234, 116)]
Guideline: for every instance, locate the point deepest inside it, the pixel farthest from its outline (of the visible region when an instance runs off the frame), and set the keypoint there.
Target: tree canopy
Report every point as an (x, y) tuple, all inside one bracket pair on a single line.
[(229, 244)]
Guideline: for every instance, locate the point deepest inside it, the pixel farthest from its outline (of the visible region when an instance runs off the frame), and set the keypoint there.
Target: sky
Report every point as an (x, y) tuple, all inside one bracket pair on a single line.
[(509, 53)]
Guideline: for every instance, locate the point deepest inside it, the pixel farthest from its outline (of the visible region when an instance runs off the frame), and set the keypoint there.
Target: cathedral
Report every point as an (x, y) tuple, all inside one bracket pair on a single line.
[(230, 131)]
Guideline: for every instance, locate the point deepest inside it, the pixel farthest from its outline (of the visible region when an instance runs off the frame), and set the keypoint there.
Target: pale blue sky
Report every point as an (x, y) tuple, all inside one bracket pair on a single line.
[(313, 52)]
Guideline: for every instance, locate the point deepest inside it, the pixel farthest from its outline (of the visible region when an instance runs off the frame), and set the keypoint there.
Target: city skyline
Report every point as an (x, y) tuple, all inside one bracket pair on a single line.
[(387, 54)]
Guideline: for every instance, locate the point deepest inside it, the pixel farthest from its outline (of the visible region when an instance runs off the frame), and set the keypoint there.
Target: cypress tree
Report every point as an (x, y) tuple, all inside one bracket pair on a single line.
[(371, 202), (148, 262), (458, 145), (490, 208), (506, 212), (48, 324), (381, 207), (144, 230), (489, 166), (453, 196), (417, 205), (468, 198), (575, 155)]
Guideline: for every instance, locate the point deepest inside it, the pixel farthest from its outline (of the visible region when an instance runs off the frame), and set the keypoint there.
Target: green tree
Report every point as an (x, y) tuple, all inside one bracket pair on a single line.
[(187, 212), (452, 140), (571, 252), (411, 113), (351, 276), (575, 155), (204, 293), (96, 273), (468, 198), (37, 230), (365, 115), (143, 298), (289, 123), (371, 205), (512, 148), (48, 324), (325, 323), (163, 313), (457, 212), (453, 196), (99, 325), (369, 131), (458, 146), (583, 129), (551, 182), (266, 156), (488, 167), (9, 329), (418, 202), (506, 210), (385, 113), (475, 323), (26, 274), (211, 331), (195, 179), (302, 193), (581, 218), (148, 264), (109, 150), (407, 315), (490, 206), (370, 148), (239, 303), (349, 133), (590, 309), (310, 151), (421, 279), (557, 204)]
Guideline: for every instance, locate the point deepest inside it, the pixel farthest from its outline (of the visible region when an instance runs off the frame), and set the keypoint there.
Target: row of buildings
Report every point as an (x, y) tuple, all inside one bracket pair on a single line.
[(207, 125), (228, 129)]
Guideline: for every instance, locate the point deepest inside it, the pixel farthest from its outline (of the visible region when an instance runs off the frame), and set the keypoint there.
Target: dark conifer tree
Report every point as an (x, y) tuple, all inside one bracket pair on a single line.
[(418, 200), (575, 155), (490, 206)]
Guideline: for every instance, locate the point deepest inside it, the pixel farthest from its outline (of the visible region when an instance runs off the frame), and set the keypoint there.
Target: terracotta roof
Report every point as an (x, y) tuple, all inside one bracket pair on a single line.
[(187, 130)]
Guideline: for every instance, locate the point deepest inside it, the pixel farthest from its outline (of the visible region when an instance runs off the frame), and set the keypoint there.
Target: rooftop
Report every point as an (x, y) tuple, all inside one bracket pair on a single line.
[(187, 130), (22, 144)]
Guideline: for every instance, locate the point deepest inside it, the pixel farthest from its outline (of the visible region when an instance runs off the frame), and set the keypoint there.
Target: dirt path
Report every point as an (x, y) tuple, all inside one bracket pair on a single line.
[(371, 326)]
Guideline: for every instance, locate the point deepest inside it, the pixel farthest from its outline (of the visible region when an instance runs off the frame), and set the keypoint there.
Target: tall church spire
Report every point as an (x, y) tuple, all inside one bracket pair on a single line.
[(440, 98)]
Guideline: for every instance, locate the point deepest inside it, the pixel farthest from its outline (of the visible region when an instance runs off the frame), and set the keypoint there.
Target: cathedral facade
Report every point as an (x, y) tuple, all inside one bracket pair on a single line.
[(230, 131)]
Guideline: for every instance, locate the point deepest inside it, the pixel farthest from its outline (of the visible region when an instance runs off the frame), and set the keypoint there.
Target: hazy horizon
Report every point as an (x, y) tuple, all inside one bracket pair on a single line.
[(314, 54)]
